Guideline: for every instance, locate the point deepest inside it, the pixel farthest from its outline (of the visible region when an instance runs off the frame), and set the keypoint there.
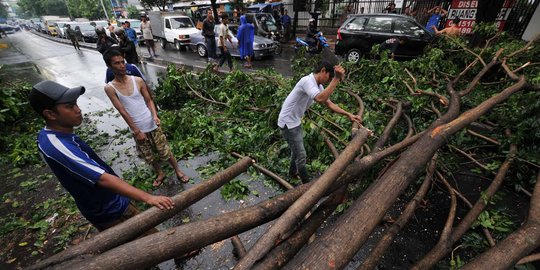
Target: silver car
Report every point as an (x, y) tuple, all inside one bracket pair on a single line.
[(261, 46)]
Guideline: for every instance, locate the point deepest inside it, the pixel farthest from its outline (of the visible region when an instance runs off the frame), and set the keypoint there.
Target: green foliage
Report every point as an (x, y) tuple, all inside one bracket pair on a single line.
[(133, 12), (497, 221), (486, 29), (235, 189), (43, 7)]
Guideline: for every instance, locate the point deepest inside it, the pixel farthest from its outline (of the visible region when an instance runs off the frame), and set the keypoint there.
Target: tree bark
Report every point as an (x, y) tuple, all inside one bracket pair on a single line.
[(517, 245), (376, 254), (282, 253), (336, 247), (153, 249), (301, 207), (238, 248), (443, 247), (137, 225)]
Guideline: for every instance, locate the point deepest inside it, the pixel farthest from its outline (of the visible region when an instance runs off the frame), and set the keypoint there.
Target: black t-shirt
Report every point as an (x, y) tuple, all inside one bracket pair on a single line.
[(208, 28)]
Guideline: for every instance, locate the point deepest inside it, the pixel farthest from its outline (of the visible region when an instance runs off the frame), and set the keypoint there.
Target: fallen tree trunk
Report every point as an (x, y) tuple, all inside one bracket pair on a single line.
[(137, 225), (517, 245), (301, 207), (282, 253), (445, 245), (153, 249), (238, 248), (336, 247), (388, 238)]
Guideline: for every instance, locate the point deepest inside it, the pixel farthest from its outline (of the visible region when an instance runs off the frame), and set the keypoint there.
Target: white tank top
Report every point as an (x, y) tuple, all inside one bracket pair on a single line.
[(136, 108)]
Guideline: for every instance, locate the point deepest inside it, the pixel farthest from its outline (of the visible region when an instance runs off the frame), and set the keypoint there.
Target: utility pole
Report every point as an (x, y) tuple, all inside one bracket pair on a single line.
[(104, 10)]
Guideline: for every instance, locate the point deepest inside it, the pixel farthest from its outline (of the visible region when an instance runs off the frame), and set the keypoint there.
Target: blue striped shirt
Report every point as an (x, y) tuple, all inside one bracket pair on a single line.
[(78, 168)]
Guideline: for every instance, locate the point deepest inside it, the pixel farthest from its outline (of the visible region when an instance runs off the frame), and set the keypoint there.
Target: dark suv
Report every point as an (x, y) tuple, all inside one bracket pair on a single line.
[(360, 32)]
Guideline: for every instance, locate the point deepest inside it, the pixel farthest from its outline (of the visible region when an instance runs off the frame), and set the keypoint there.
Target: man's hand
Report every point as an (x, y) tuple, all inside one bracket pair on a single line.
[(160, 202), (355, 118), (156, 120), (140, 136), (225, 48), (339, 72)]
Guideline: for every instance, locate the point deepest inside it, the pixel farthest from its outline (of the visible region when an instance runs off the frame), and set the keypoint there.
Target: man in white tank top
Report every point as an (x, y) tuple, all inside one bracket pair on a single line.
[(131, 98)]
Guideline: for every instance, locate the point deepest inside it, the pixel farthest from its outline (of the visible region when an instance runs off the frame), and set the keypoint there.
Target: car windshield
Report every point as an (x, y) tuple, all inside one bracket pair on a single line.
[(102, 23), (181, 23), (61, 24)]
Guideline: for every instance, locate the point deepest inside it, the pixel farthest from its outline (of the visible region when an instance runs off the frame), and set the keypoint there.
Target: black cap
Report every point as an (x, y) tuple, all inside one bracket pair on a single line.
[(47, 94)]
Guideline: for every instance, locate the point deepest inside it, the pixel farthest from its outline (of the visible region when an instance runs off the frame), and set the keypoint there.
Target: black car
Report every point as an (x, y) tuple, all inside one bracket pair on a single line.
[(360, 32)]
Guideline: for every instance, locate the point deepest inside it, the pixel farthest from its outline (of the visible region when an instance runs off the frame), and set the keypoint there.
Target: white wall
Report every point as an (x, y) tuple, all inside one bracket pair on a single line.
[(533, 28)]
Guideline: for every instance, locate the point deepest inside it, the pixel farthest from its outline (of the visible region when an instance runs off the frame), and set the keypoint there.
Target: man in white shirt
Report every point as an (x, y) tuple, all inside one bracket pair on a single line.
[(308, 89), (223, 33)]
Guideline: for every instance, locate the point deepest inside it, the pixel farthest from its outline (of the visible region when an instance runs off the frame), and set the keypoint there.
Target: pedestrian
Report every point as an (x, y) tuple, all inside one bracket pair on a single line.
[(110, 27), (148, 36), (391, 8), (131, 98), (127, 47), (210, 36), (132, 35), (72, 35), (392, 44), (104, 42), (131, 70), (409, 12), (308, 89), (286, 22), (451, 31), (224, 34), (435, 17), (101, 196), (362, 10), (246, 35)]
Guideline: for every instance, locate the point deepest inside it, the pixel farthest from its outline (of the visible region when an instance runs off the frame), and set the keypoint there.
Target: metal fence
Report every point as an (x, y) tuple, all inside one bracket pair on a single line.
[(331, 13)]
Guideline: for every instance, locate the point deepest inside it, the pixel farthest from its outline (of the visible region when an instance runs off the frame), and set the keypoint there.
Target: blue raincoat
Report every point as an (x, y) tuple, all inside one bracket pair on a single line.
[(245, 36)]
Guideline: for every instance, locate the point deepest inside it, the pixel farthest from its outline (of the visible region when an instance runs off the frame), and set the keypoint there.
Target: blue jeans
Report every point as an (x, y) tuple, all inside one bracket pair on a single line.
[(295, 140)]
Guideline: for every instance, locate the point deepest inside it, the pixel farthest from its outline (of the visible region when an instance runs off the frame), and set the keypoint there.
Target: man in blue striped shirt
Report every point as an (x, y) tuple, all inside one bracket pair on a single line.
[(101, 196)]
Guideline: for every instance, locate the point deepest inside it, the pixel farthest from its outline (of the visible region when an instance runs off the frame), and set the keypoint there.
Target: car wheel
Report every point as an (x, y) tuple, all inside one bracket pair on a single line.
[(201, 50), (163, 43), (353, 55), (278, 49), (177, 45)]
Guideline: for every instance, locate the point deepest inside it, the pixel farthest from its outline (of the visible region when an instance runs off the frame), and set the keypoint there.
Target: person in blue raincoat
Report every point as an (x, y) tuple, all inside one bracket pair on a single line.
[(246, 34)]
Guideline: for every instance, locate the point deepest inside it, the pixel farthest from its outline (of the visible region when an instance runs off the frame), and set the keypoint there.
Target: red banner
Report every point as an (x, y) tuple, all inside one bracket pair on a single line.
[(466, 11)]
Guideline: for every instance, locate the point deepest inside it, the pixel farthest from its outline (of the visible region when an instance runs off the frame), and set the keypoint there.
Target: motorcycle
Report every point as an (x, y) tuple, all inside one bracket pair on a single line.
[(312, 48)]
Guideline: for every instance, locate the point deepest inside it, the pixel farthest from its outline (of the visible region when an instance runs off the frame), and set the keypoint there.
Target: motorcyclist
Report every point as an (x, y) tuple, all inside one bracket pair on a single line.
[(262, 28), (311, 34), (104, 42)]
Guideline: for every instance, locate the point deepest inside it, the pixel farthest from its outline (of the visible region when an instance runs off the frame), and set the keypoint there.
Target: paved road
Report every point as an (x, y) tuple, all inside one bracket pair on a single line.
[(281, 63)]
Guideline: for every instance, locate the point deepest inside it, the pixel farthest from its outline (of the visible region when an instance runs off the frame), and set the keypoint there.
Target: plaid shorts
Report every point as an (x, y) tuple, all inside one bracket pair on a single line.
[(156, 148)]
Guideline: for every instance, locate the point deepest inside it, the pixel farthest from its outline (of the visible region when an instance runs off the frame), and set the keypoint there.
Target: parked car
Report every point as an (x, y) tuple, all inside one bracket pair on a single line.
[(61, 28), (360, 32), (261, 46), (85, 32), (7, 29)]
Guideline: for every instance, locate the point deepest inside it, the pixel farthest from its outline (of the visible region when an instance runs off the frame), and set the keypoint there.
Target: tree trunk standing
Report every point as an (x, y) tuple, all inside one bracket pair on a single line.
[(214, 11), (336, 247), (301, 207), (158, 247), (517, 245), (137, 225)]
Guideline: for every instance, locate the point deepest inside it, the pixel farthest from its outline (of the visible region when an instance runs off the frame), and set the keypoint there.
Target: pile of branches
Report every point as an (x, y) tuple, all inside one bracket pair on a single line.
[(421, 118)]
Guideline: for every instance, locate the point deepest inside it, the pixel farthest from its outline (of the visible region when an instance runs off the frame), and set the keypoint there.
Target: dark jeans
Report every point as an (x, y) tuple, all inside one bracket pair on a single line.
[(287, 32), (225, 55), (75, 43), (295, 140), (211, 47)]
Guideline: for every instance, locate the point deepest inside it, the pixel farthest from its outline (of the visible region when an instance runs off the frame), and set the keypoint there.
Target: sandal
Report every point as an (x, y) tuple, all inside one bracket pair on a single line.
[(158, 182)]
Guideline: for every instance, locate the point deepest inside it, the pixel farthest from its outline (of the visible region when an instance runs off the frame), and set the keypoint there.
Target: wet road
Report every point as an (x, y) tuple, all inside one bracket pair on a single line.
[(62, 63)]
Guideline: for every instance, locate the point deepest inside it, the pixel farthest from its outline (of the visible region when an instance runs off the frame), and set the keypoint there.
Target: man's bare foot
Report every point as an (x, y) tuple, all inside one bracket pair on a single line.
[(182, 177), (159, 180)]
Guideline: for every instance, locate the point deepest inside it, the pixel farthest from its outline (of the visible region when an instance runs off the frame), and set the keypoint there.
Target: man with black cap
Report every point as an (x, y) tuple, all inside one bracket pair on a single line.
[(308, 89), (101, 196)]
